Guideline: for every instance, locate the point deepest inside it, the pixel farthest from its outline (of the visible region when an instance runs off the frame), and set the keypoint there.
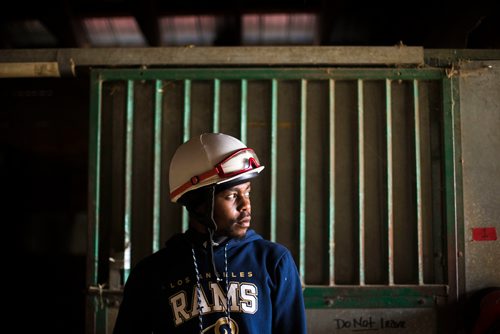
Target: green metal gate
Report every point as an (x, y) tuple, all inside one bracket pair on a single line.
[(362, 178)]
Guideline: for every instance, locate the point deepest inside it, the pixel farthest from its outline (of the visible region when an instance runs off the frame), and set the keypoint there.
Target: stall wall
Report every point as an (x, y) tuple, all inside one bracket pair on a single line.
[(480, 111)]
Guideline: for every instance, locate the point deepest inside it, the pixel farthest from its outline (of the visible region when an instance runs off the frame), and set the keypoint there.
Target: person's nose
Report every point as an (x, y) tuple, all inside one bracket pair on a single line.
[(244, 203)]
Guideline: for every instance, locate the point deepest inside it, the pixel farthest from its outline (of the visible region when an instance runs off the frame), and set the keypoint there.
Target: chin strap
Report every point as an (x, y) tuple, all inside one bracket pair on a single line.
[(212, 257), (208, 220), (205, 218)]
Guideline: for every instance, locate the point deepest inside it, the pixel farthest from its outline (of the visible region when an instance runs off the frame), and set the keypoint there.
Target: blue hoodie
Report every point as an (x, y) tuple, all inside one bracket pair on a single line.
[(265, 292)]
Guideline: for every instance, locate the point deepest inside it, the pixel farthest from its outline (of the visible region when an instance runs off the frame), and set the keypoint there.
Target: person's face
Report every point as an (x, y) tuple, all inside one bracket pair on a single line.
[(232, 211)]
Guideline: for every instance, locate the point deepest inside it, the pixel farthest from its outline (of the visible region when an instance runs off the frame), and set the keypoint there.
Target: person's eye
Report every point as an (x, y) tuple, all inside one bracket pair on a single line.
[(247, 194), (231, 196)]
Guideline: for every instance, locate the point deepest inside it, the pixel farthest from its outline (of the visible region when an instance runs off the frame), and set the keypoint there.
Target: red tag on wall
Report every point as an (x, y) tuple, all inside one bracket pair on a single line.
[(484, 233)]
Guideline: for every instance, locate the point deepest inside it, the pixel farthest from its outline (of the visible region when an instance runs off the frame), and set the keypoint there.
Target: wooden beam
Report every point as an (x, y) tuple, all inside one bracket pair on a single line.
[(228, 56)]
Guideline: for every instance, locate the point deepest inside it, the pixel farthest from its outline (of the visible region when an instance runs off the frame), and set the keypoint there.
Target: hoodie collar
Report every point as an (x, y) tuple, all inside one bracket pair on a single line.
[(202, 239)]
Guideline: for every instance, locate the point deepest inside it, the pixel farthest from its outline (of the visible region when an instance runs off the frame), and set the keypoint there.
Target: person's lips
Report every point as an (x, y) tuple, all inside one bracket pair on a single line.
[(244, 222)]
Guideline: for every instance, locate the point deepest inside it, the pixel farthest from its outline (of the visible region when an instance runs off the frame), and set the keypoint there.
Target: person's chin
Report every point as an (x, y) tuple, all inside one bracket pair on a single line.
[(239, 232)]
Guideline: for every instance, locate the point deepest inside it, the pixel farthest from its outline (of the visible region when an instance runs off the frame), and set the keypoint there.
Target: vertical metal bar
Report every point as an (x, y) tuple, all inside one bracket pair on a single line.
[(274, 154), (361, 183), (129, 137), (418, 181), (186, 136), (157, 165), (95, 177), (244, 104), (331, 186), (187, 111), (390, 186), (303, 164), (94, 197), (216, 110)]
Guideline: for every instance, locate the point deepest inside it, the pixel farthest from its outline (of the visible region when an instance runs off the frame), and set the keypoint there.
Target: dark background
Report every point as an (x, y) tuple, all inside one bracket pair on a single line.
[(428, 23), (44, 124)]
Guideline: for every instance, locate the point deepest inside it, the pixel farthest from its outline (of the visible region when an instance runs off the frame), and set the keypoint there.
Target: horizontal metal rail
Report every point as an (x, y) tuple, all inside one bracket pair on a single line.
[(271, 73)]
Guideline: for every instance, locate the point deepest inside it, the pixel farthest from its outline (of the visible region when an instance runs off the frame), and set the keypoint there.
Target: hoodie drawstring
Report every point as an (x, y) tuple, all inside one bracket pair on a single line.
[(198, 289), (198, 285)]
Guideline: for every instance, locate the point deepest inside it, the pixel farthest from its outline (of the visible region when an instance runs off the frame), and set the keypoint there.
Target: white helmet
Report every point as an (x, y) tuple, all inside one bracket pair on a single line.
[(210, 158)]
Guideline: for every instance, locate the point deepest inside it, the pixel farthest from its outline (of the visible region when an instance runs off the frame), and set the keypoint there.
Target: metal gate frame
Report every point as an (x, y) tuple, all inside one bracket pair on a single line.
[(332, 296)]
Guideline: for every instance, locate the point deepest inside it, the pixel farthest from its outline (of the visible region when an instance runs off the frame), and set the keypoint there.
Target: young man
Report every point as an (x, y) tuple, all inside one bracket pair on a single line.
[(219, 276)]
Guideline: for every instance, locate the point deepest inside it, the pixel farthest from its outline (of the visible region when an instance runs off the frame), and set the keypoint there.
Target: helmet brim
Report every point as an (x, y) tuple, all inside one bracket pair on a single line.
[(213, 181)]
